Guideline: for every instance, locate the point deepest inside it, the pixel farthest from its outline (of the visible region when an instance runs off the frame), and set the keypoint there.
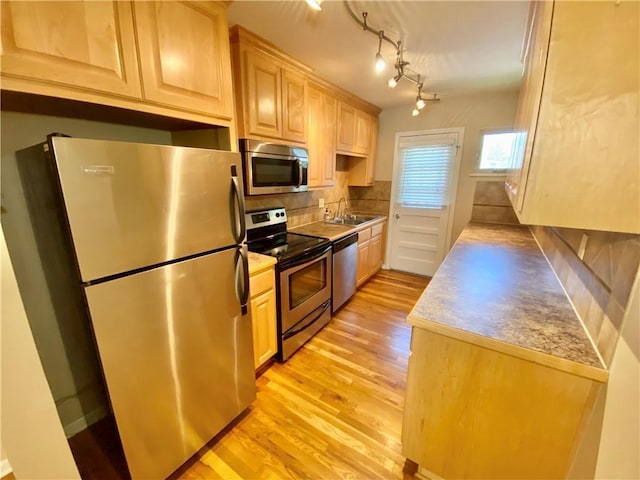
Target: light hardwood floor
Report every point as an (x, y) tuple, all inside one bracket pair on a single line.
[(334, 410)]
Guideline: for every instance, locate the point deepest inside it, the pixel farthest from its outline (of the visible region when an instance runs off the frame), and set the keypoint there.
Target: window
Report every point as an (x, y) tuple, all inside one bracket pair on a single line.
[(497, 150), (424, 173)]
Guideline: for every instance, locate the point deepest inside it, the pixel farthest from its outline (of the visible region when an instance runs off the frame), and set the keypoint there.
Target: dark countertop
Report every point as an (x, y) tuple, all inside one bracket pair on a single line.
[(496, 289)]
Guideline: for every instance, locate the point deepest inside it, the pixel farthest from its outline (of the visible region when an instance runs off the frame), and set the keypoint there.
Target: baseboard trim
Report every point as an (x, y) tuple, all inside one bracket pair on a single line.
[(84, 422), (5, 468)]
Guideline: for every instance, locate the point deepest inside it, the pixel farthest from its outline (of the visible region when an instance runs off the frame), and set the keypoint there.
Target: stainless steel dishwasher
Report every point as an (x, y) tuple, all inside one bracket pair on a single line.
[(345, 266)]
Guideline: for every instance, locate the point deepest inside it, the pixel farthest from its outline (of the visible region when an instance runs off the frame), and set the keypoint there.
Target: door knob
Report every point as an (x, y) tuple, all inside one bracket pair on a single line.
[(397, 215)]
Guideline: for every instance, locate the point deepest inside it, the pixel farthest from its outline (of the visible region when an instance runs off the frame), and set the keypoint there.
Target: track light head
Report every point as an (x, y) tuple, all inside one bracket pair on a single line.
[(380, 63), (315, 4), (394, 81)]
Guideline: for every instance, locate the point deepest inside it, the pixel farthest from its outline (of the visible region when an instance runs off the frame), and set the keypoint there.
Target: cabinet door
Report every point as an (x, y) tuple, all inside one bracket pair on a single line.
[(373, 150), (315, 174), (346, 128), (363, 261), (82, 44), (363, 132), (184, 55), (322, 138), (263, 317), (263, 93), (535, 62), (329, 113), (375, 254), (294, 114)]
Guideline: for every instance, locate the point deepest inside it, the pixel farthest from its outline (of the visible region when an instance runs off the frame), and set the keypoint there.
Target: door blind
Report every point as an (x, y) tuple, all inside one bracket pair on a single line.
[(424, 173)]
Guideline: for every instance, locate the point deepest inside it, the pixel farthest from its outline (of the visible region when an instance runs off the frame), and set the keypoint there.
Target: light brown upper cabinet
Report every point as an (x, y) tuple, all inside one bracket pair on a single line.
[(88, 51), (354, 130), (271, 90), (322, 138), (362, 169), (578, 117), (85, 45), (184, 55)]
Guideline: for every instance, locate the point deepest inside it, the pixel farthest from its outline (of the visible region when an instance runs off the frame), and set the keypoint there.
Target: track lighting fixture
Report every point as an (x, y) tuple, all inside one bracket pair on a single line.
[(315, 4), (401, 66)]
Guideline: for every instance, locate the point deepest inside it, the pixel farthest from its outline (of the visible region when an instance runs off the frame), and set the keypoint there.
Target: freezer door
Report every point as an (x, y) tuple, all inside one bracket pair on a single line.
[(177, 356), (133, 205)]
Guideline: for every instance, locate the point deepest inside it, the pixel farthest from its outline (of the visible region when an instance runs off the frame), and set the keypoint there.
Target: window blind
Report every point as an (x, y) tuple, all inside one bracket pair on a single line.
[(424, 173)]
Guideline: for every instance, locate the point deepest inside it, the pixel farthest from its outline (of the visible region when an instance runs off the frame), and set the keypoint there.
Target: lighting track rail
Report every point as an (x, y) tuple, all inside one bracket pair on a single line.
[(401, 66)]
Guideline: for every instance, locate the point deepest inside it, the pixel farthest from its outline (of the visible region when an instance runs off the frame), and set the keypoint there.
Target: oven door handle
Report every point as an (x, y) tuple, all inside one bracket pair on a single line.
[(323, 308), (302, 259)]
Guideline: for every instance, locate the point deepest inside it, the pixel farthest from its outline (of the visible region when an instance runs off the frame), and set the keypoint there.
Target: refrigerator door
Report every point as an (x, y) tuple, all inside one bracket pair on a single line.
[(131, 205), (177, 356)]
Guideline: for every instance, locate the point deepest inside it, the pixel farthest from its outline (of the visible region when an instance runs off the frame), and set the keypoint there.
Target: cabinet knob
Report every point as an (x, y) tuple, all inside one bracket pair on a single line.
[(397, 215)]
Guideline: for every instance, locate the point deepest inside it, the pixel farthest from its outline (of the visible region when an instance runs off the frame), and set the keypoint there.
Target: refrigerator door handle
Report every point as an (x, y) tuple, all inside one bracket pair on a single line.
[(237, 207), (242, 277)]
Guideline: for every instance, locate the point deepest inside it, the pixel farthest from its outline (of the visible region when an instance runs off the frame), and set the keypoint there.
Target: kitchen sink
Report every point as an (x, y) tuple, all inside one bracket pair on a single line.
[(351, 219)]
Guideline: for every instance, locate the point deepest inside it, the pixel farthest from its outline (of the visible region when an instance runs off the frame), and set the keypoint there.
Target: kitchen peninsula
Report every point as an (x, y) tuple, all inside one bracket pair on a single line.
[(502, 375)]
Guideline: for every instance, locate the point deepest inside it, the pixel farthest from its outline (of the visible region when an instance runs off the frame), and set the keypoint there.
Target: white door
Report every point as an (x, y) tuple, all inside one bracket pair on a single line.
[(426, 166)]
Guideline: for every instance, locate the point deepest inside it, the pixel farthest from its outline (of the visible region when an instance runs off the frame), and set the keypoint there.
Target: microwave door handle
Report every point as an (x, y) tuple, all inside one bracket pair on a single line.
[(299, 173), (237, 207)]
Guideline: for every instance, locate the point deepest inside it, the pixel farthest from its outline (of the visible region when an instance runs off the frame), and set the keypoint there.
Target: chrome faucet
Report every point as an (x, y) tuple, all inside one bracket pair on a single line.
[(341, 215)]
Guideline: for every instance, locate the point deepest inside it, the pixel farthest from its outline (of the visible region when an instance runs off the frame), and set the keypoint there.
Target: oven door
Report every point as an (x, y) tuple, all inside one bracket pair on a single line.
[(304, 286), (265, 173)]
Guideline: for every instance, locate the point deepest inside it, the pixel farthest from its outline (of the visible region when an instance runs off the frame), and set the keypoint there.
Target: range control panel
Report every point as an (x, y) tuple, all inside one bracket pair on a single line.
[(264, 218)]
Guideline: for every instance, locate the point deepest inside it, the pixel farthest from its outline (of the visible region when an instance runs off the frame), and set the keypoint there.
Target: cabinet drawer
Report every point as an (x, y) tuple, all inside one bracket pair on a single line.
[(364, 235), (261, 282), (377, 229)]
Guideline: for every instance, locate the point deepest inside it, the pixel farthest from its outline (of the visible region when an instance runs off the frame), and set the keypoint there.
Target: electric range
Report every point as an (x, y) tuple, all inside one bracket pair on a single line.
[(303, 277)]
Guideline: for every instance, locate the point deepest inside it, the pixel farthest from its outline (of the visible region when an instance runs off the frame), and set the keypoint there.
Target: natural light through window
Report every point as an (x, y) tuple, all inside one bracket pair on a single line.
[(496, 150)]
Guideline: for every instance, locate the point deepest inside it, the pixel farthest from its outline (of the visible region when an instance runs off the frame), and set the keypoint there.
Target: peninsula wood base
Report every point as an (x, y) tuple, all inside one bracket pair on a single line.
[(472, 412)]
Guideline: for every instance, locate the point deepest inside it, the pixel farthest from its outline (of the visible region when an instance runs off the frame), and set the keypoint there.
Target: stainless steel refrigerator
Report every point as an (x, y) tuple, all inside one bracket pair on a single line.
[(156, 238)]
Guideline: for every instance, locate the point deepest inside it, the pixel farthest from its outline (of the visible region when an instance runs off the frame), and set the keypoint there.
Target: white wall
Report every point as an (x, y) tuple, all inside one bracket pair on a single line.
[(67, 354), (32, 435), (474, 113), (609, 449)]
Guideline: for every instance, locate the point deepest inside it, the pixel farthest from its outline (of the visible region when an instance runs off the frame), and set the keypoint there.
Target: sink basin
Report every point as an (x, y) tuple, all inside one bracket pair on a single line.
[(351, 220)]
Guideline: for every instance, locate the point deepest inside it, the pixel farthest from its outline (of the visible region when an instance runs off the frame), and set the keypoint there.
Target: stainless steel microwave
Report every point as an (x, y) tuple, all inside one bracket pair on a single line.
[(272, 168)]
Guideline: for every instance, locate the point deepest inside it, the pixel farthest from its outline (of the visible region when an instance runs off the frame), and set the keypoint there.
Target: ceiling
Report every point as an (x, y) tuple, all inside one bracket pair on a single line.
[(458, 47)]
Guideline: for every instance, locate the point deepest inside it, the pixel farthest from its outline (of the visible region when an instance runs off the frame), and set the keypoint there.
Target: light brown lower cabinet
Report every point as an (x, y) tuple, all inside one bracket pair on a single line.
[(263, 314), (370, 252), (473, 412)]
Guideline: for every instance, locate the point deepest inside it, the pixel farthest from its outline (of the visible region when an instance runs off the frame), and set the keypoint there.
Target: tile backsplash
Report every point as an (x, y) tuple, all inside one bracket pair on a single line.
[(491, 204), (374, 199), (600, 284)]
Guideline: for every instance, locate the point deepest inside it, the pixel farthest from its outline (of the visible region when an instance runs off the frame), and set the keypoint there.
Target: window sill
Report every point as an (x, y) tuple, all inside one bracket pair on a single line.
[(489, 174)]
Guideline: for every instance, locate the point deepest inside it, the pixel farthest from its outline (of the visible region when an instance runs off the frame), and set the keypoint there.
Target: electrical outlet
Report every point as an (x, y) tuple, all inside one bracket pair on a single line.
[(583, 245), (321, 203)]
